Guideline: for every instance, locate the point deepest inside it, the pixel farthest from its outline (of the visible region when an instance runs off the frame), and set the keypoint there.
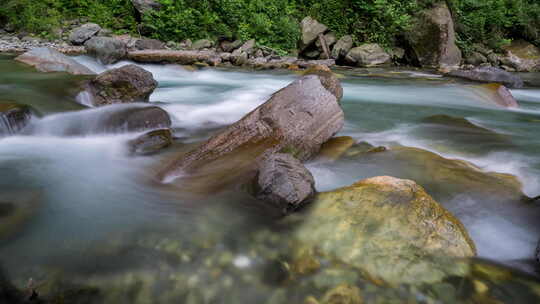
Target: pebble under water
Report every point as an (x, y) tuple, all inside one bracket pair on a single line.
[(102, 225)]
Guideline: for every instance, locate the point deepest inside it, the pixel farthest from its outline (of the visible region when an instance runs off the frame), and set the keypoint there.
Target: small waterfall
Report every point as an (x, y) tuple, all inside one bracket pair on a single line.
[(85, 98), (13, 118)]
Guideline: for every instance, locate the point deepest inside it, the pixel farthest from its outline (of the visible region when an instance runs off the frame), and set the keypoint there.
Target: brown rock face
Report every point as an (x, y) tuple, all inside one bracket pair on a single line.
[(296, 120), (432, 38), (126, 84)]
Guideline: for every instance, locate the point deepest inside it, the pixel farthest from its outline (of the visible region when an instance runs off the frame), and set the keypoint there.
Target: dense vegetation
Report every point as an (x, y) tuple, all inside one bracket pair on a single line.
[(275, 23)]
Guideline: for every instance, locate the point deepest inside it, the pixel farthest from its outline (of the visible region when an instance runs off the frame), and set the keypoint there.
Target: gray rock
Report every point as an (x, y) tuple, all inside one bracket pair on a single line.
[(151, 142), (367, 55), (313, 54), (81, 34), (13, 118), (248, 47), (311, 29), (283, 182), (202, 44), (107, 50), (489, 75), (126, 84), (522, 56), (50, 60), (238, 57), (342, 47), (297, 120), (432, 38), (330, 39), (143, 6), (476, 58), (149, 44), (229, 47)]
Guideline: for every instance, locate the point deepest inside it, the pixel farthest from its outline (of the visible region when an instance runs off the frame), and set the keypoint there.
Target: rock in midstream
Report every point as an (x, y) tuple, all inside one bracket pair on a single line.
[(49, 60), (296, 120), (126, 84)]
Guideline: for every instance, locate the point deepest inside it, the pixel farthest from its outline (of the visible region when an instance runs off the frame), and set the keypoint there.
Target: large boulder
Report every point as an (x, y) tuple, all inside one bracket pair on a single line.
[(342, 47), (126, 84), (143, 6), (387, 227), (311, 29), (283, 182), (297, 120), (368, 55), (13, 118), (106, 49), (83, 33), (49, 60), (522, 56), (489, 75), (202, 44), (180, 57), (432, 38)]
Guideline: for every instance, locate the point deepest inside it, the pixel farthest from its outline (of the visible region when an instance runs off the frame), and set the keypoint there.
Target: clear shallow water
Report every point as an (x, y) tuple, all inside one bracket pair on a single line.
[(91, 192)]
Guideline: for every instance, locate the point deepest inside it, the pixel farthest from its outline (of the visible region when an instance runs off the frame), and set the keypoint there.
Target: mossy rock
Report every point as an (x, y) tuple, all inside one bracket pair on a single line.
[(16, 210), (388, 227), (334, 148)]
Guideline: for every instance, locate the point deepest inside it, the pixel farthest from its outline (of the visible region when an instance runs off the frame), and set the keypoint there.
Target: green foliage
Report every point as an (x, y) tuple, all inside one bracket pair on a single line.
[(496, 22), (276, 23), (266, 21)]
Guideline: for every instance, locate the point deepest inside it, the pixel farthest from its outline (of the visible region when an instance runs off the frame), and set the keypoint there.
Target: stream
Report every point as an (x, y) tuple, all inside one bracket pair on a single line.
[(99, 217)]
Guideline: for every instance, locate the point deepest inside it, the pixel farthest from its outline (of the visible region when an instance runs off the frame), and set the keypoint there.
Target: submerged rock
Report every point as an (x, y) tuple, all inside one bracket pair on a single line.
[(16, 210), (50, 60), (106, 49), (150, 142), (432, 37), (343, 294), (297, 119), (444, 178), (13, 118), (388, 227), (283, 182), (490, 75), (368, 55), (335, 147), (496, 94), (81, 34), (126, 84)]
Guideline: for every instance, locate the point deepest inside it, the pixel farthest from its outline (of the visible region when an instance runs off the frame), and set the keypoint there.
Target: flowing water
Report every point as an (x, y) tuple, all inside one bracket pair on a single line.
[(98, 214)]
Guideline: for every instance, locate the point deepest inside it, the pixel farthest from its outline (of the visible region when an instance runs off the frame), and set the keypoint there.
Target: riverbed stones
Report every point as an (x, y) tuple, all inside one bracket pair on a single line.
[(310, 29), (148, 44), (13, 118), (335, 148), (283, 182), (343, 294), (49, 60), (150, 142), (297, 120), (202, 44), (388, 227), (368, 55), (432, 38), (490, 75), (106, 49), (342, 47), (17, 209), (126, 84)]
